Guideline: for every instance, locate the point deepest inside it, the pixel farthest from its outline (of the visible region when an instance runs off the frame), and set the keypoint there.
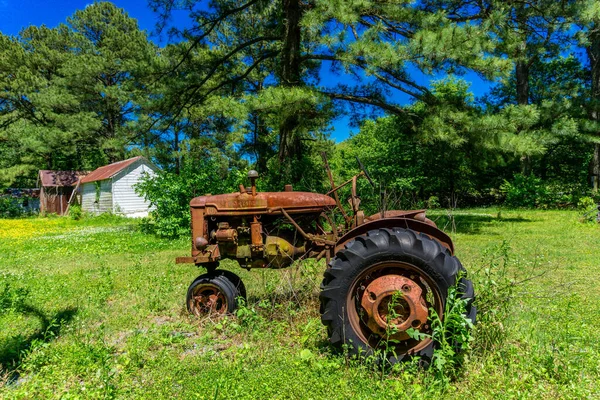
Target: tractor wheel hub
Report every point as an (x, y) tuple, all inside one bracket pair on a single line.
[(393, 304)]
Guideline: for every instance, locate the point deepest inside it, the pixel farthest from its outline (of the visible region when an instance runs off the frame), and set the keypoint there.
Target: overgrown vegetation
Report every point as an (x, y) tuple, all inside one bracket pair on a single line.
[(170, 194), (103, 316)]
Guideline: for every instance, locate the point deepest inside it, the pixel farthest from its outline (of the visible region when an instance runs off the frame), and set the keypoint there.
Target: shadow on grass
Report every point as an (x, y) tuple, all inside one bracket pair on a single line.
[(13, 349), (471, 224)]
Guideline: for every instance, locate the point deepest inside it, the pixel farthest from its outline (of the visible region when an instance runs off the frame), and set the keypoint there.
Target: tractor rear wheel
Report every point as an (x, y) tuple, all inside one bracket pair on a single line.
[(214, 292), (384, 283)]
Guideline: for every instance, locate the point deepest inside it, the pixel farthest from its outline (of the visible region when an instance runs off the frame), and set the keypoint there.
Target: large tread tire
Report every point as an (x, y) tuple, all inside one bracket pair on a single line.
[(430, 258), (233, 278), (217, 284)]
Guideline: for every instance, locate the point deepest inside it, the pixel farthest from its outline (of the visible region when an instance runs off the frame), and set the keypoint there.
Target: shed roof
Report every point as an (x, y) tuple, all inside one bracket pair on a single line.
[(110, 170), (59, 178)]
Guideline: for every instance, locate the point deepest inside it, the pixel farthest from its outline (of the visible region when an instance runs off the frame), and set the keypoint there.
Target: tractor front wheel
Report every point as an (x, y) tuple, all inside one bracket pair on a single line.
[(214, 292), (381, 288)]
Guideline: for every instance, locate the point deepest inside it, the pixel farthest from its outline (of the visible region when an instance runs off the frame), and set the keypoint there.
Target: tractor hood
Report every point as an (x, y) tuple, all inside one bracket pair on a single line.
[(263, 203)]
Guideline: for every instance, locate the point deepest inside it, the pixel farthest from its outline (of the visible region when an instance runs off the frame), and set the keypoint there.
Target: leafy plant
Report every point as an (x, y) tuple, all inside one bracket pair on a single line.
[(452, 336), (494, 301), (75, 212), (9, 208), (170, 193), (12, 298), (524, 191), (589, 209)]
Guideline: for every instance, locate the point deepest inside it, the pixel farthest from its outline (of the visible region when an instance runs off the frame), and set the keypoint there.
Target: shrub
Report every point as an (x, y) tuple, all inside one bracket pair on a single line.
[(9, 208), (171, 193), (588, 208), (524, 191), (11, 298), (531, 192), (75, 212)]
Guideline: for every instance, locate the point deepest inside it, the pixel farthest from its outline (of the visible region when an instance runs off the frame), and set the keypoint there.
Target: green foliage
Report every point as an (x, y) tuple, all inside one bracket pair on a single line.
[(9, 207), (12, 296), (524, 191), (75, 212), (494, 300), (270, 70), (530, 191), (171, 193), (71, 94), (452, 336), (588, 207), (259, 85)]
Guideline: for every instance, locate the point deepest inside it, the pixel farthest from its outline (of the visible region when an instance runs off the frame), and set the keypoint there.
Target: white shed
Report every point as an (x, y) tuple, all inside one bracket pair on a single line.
[(111, 188)]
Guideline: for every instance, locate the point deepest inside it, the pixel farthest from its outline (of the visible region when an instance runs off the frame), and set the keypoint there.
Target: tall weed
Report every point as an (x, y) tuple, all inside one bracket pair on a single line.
[(495, 291)]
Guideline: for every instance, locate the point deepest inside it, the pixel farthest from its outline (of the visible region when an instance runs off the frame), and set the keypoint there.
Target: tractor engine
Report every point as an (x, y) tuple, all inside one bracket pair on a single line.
[(254, 245), (259, 230)]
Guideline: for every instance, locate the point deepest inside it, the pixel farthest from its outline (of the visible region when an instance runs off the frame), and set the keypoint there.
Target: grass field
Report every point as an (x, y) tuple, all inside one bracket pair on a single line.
[(94, 309)]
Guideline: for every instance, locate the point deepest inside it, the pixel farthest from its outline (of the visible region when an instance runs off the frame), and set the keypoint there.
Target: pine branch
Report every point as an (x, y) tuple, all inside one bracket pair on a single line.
[(233, 52), (364, 66), (213, 24), (368, 101)]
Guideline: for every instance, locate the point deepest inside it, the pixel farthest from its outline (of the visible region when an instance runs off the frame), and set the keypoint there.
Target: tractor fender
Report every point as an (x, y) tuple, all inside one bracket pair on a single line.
[(407, 223)]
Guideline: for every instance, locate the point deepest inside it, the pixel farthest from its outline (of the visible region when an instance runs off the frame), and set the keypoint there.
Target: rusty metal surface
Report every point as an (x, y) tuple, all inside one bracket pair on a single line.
[(210, 254), (393, 304), (49, 178), (109, 171), (405, 223), (256, 233), (413, 294), (208, 298), (419, 215), (265, 202), (198, 228), (200, 243), (225, 235)]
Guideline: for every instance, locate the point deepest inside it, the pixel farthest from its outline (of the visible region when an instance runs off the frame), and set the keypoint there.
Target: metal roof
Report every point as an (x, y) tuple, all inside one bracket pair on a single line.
[(60, 178), (108, 171)]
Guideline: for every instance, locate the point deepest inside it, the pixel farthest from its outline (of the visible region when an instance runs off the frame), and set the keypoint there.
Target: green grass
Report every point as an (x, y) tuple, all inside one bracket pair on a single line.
[(94, 309)]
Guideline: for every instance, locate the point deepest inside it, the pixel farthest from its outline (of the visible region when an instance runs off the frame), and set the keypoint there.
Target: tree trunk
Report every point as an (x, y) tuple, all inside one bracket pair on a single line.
[(261, 148), (593, 52), (290, 72), (522, 77), (176, 150), (596, 167)]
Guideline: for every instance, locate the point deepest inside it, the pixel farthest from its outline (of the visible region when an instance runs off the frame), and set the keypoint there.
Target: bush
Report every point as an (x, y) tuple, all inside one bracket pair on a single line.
[(588, 207), (9, 208), (75, 212), (11, 298), (171, 193), (531, 192), (524, 191)]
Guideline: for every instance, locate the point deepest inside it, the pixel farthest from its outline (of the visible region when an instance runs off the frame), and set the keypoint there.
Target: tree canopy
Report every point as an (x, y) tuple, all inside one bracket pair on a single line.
[(260, 84)]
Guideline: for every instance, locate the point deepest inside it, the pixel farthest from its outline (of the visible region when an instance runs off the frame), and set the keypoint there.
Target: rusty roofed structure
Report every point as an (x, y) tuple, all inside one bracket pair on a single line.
[(56, 189)]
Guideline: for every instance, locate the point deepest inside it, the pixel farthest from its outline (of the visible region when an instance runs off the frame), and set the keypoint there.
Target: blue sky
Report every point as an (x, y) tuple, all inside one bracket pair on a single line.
[(17, 14)]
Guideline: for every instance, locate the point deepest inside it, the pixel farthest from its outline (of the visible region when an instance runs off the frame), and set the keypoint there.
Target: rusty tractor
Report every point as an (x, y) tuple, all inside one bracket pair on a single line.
[(385, 272)]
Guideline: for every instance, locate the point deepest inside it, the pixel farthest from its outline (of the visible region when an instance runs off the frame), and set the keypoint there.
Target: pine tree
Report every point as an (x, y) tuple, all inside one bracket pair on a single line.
[(374, 46), (71, 95), (589, 21)]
